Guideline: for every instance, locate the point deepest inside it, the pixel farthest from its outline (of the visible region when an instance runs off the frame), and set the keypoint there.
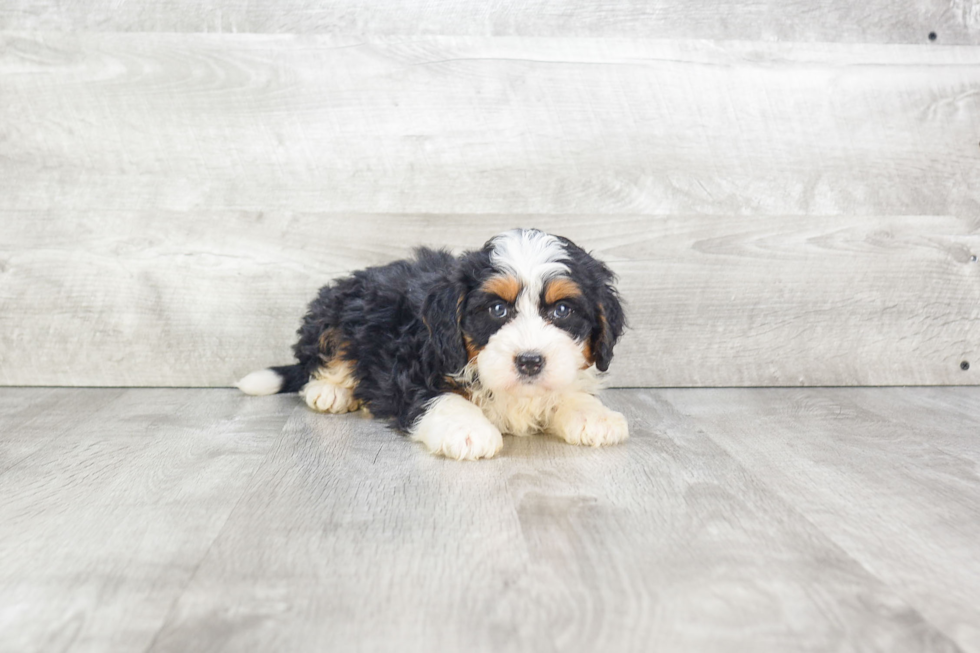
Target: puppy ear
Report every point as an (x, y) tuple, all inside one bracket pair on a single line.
[(610, 322), (441, 314)]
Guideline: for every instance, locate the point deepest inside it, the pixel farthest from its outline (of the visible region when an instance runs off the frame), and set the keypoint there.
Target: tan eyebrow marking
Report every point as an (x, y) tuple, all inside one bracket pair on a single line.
[(506, 287), (561, 288)]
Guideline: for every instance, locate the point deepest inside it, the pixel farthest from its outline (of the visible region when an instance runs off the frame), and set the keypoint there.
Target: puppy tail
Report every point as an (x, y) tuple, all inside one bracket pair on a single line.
[(288, 378)]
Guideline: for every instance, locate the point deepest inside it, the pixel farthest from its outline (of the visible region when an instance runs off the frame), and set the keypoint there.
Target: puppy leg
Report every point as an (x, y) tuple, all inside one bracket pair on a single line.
[(582, 419), (332, 389), (455, 427)]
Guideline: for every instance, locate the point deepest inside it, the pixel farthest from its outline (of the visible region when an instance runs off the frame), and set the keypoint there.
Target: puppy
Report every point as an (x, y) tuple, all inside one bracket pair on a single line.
[(456, 351)]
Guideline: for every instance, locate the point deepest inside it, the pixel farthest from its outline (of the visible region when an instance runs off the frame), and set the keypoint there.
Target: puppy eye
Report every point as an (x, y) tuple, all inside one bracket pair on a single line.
[(561, 311), (498, 310)]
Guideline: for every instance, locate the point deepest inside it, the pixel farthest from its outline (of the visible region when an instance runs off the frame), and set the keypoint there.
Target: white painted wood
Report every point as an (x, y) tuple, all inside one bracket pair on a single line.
[(910, 21), (862, 461), (174, 298), (179, 520), (486, 125)]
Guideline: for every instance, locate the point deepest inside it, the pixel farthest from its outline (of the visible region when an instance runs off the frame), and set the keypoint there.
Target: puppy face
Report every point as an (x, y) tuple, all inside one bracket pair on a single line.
[(536, 311)]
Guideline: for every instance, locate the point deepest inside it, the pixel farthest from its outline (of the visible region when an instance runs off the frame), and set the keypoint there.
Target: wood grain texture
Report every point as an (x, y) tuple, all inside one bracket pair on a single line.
[(175, 298), (486, 125), (541, 550), (28, 427), (876, 21), (171, 202), (855, 461), (177, 520), (104, 524)]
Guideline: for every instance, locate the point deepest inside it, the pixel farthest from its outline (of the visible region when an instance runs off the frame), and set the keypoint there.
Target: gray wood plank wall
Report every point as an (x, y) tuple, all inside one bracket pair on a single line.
[(789, 198), (872, 21)]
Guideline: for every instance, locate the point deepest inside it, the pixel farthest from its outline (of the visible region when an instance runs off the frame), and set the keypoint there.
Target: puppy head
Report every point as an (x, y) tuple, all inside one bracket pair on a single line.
[(532, 310)]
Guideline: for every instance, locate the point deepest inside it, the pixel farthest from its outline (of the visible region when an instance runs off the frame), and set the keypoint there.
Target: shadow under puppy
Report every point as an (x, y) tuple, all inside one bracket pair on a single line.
[(458, 350)]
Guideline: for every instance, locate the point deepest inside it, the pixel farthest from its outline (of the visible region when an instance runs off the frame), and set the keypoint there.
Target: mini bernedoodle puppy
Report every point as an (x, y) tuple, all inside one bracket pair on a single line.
[(458, 350)]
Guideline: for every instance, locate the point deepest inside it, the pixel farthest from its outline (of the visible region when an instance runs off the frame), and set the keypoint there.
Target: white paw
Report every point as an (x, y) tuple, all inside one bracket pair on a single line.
[(589, 423), (470, 441), (327, 397), (455, 428)]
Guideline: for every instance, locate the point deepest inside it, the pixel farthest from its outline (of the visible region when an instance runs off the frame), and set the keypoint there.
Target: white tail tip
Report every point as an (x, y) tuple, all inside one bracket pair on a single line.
[(263, 382)]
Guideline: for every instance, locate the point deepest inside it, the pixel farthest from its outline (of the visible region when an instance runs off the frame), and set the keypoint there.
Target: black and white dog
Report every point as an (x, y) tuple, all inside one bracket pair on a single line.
[(458, 350)]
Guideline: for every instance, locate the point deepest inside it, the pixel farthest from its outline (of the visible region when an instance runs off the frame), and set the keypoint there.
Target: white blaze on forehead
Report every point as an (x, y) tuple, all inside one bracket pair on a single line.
[(531, 255)]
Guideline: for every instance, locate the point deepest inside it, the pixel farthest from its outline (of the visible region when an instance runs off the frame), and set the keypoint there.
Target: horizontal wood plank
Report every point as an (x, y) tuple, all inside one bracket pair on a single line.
[(875, 21), (486, 125), (201, 298), (171, 203)]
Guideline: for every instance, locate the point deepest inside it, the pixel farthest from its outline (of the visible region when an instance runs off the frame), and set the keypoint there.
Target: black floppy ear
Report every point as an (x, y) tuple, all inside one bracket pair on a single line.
[(441, 313), (610, 322)]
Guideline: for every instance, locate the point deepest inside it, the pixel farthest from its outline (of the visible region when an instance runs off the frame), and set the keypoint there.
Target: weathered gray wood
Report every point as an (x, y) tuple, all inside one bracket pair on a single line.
[(176, 520), (139, 172), (858, 462), (103, 525), (486, 125), (27, 423), (768, 20), (350, 539), (189, 298), (170, 202)]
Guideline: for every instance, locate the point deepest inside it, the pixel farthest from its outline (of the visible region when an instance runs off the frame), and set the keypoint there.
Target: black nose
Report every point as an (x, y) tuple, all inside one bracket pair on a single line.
[(529, 364)]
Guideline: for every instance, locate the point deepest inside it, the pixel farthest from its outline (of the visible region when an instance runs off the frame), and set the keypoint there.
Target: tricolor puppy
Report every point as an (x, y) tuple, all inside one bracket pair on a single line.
[(458, 350)]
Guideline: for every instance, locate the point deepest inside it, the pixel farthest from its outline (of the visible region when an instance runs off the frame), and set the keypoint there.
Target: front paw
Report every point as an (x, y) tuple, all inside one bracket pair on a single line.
[(327, 397), (590, 423), (464, 441), (455, 428)]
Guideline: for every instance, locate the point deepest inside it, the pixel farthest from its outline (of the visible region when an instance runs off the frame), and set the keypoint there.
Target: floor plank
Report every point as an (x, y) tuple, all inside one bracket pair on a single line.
[(104, 522), (547, 548), (880, 472), (764, 520), (30, 418)]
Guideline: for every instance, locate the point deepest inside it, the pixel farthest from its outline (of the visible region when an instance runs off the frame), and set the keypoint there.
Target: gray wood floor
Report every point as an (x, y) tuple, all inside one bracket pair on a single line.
[(756, 520)]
